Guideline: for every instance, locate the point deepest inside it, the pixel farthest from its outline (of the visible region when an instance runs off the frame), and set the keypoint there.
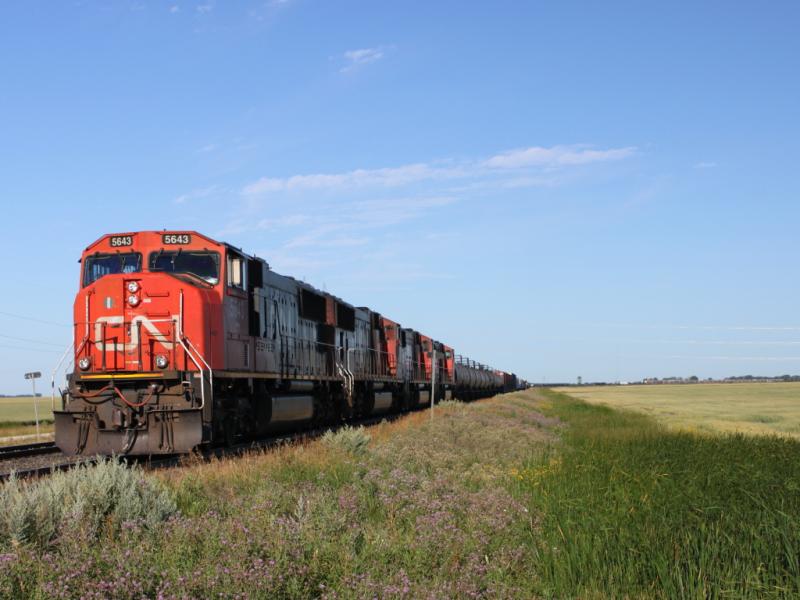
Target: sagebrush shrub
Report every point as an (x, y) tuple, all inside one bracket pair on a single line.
[(87, 498), (353, 440), (451, 404)]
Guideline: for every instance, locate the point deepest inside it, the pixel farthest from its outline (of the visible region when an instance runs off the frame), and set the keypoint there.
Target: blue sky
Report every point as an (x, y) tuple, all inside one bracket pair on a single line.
[(563, 189)]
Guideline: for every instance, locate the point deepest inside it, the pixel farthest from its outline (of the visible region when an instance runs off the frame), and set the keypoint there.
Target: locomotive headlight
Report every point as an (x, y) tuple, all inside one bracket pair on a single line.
[(133, 287), (133, 299), (84, 363), (162, 362)]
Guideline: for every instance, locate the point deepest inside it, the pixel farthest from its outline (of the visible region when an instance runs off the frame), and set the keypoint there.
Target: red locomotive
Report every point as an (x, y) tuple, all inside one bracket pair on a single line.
[(181, 340)]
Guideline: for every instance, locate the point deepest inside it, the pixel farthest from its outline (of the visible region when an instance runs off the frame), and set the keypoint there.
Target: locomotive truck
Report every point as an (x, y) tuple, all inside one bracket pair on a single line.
[(182, 341)]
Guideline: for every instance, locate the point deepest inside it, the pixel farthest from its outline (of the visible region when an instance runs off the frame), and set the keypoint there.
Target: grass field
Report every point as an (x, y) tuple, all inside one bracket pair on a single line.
[(738, 407), (632, 508), (21, 410), (17, 419), (416, 508), (531, 494)]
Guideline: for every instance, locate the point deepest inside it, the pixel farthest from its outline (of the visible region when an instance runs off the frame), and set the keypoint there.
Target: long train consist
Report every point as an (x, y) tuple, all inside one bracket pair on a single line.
[(180, 340)]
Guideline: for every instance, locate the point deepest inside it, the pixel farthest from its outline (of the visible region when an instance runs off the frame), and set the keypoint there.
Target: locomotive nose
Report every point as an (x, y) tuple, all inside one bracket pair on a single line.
[(130, 324), (132, 391)]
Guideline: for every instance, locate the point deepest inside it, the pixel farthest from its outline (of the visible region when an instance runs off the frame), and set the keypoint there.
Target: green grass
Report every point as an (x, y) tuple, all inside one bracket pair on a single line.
[(739, 407), (632, 508), (416, 508), (532, 494)]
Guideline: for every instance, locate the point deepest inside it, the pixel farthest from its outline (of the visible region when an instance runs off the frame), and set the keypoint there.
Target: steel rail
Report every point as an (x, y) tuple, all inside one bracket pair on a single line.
[(23, 450)]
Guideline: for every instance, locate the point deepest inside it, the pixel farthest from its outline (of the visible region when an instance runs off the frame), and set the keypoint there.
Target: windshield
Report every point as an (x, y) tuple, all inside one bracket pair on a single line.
[(204, 265), (99, 265)]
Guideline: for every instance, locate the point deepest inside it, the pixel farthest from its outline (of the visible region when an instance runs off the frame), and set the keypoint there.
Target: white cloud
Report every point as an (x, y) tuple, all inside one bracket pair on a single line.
[(556, 156), (384, 177), (361, 57), (705, 165), (285, 221), (196, 194), (205, 7), (523, 165), (384, 213), (174, 9), (311, 223), (320, 239), (336, 233)]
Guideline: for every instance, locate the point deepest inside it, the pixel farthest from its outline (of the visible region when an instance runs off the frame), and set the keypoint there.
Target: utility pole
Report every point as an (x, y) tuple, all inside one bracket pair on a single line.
[(433, 379), (33, 376)]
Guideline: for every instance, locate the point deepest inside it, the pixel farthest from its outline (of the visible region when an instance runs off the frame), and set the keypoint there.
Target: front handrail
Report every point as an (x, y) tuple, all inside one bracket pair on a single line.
[(58, 367), (183, 342), (186, 343), (55, 372)]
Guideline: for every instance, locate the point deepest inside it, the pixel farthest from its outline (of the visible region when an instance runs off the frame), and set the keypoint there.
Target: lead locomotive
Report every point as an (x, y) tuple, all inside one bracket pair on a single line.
[(181, 340)]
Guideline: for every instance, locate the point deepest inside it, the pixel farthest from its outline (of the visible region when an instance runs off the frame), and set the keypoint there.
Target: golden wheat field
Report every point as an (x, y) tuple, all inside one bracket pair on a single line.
[(757, 408)]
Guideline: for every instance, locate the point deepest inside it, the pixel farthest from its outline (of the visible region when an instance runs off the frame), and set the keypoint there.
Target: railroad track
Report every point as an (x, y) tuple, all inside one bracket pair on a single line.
[(8, 452), (19, 455), (32, 460), (161, 462)]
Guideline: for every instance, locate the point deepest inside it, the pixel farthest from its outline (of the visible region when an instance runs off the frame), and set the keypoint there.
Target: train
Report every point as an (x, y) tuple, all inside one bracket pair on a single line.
[(181, 341)]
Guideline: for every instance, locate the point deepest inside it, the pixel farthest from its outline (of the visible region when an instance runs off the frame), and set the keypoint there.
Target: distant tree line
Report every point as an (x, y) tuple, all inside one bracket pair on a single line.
[(680, 380), (732, 379)]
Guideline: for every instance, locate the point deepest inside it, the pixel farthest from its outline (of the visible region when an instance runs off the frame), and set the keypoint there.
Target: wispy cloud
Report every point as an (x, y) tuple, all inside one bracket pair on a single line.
[(285, 221), (335, 234), (384, 177), (316, 223), (266, 11), (361, 57), (197, 194), (205, 7), (522, 164), (343, 216), (556, 156), (705, 165)]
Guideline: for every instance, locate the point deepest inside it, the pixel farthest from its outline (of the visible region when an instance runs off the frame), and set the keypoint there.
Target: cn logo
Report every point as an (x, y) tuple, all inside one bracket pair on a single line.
[(146, 325)]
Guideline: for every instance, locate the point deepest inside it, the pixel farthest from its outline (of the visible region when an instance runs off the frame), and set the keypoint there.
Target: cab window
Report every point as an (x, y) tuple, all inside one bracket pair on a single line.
[(98, 265), (204, 265), (236, 272)]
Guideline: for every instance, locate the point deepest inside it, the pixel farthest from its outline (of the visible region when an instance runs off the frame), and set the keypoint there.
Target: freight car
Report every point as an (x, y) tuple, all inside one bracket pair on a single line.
[(180, 340)]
